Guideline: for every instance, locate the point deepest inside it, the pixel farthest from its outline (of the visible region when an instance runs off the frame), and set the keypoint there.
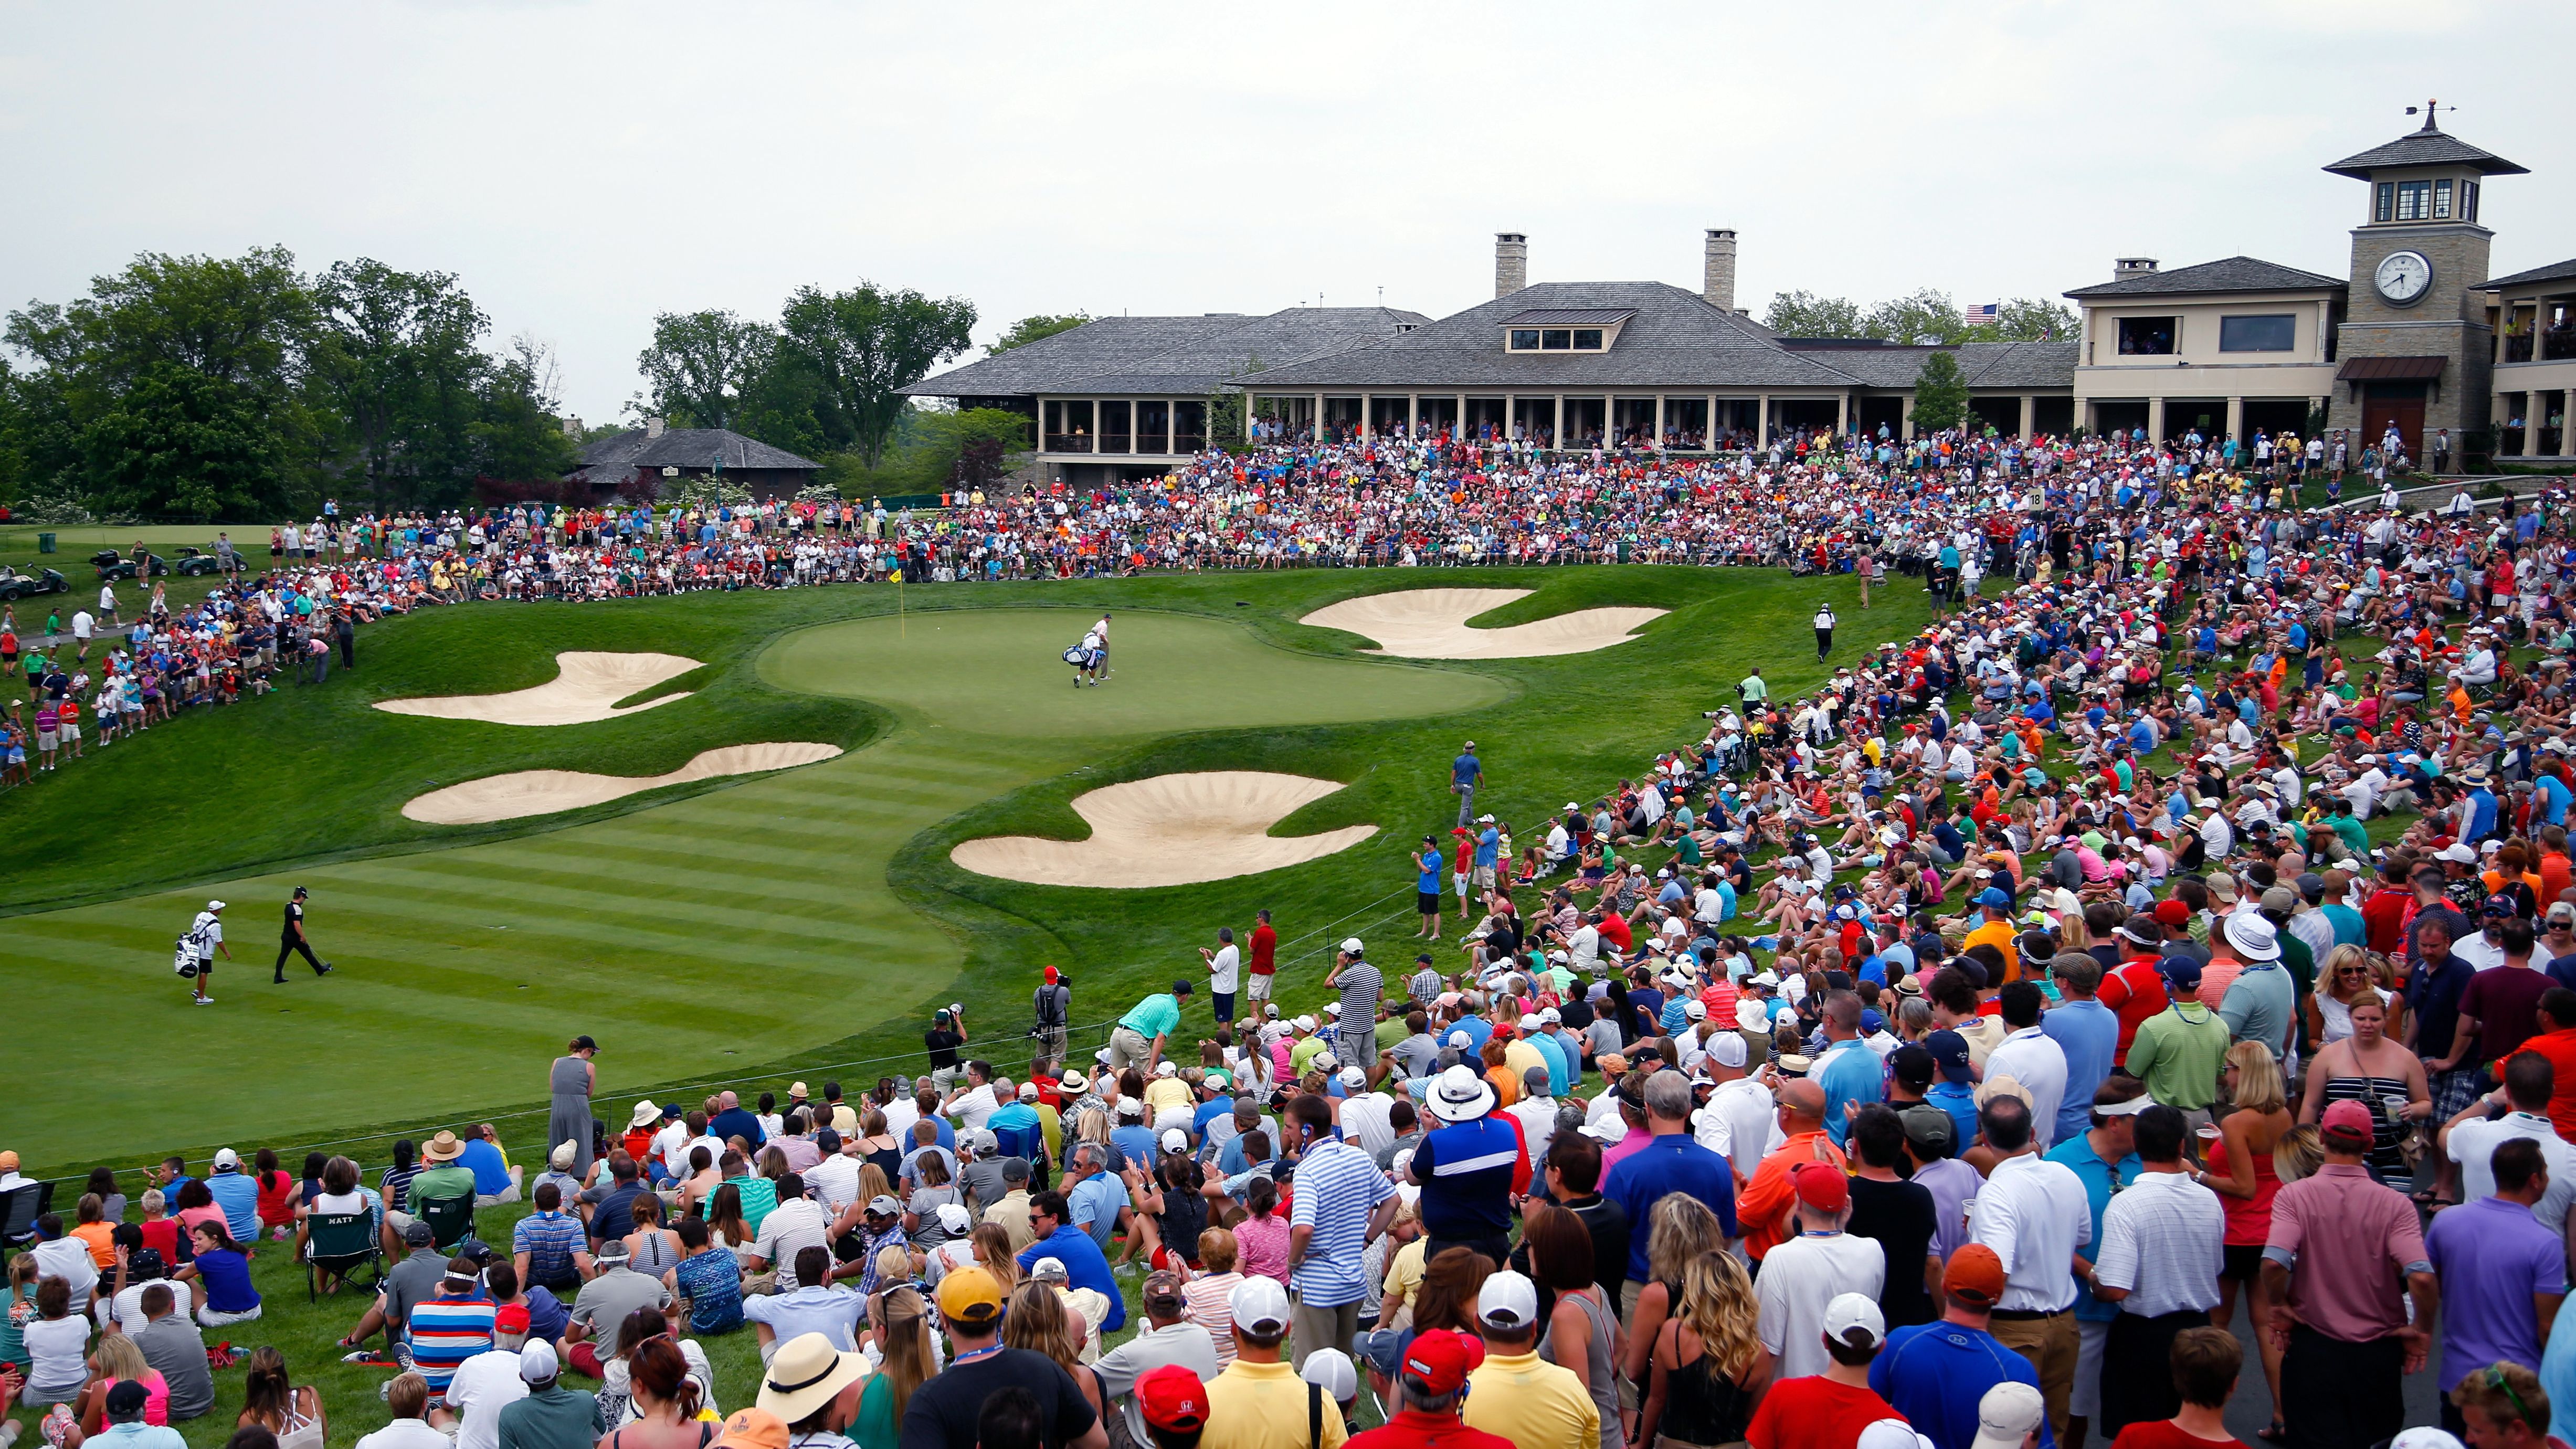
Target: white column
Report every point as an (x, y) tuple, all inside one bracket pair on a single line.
[(1708, 438), (1367, 424), (1171, 425), (1905, 421), (1842, 413), (1319, 418), (1761, 419), (2029, 414), (1042, 422), (1458, 429), (2567, 424), (1556, 438), (1413, 415), (1659, 422), (2155, 420)]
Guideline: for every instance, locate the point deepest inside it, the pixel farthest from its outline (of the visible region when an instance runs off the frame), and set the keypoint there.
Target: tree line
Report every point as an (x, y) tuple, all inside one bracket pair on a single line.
[(1926, 316), (244, 388)]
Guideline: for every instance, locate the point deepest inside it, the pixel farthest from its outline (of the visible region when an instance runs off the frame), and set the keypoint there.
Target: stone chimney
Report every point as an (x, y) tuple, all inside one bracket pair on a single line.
[(2123, 268), (1511, 262), (572, 428), (1717, 283), (653, 427)]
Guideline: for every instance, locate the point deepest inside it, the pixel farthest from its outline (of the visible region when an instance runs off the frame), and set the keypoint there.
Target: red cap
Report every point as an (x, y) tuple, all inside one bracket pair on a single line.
[(1171, 1397), (2347, 1119), (1821, 1186), (2173, 913), (1439, 1361), (510, 1318), (1050, 976)]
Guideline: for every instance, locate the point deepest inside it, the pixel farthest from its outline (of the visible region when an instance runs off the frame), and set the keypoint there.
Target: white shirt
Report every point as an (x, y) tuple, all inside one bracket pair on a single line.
[(2473, 1145), (1738, 1124), (2029, 1057), (1537, 1116), (127, 1307), (836, 1177), (1221, 968), (901, 1115), (2162, 1239), (406, 1434), (1364, 1120), (68, 1258), (484, 1385), (1799, 1278), (973, 1108), (2034, 1213)]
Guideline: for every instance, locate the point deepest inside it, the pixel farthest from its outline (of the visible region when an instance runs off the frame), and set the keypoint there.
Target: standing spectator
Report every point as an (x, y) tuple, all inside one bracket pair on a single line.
[(2261, 1002), (2104, 1158), (1469, 1169), (2163, 1242), (1362, 986), (2034, 1214), (2179, 1052), (1763, 1207), (2205, 1364), (1936, 1374), (1668, 1162), (1812, 1269), (2502, 1273), (1849, 1071), (1223, 973), (1259, 1402), (2241, 1171), (1146, 1030), (1706, 1364), (2030, 1057), (2086, 1033), (1431, 1375), (1539, 1405), (1466, 776), (1342, 1201), (1828, 1410), (1264, 964), (2344, 1254), (2470, 1139), (1896, 1214)]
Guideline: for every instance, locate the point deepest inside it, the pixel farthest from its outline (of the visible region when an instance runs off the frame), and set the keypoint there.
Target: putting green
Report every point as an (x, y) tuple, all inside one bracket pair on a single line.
[(1002, 671)]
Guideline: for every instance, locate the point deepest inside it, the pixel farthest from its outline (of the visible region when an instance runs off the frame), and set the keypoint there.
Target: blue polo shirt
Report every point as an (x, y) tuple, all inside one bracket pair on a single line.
[(1935, 1374), (1156, 1015), (2089, 1033), (1960, 1101), (1084, 1267), (1559, 1080), (1466, 1171), (1851, 1076), (1669, 1164), (2077, 1152), (1094, 1203)]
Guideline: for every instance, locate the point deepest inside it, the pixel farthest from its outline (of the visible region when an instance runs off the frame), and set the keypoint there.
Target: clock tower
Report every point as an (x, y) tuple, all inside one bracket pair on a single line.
[(2414, 347)]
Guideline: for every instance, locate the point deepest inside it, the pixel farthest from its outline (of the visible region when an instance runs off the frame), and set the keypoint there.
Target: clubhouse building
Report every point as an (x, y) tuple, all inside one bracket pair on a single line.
[(2415, 337)]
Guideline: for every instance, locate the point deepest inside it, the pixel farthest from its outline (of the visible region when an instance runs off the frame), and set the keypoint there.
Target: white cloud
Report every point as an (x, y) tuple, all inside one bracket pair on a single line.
[(583, 166)]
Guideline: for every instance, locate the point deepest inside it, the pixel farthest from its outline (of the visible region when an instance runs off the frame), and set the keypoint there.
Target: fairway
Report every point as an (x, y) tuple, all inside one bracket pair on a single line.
[(802, 922), (1002, 671)]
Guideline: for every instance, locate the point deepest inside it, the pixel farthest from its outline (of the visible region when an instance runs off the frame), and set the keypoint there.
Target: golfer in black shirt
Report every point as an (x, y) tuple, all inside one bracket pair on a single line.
[(293, 940)]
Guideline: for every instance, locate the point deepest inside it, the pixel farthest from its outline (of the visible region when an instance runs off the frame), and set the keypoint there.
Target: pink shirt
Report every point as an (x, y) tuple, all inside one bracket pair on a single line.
[(1261, 1246), (2355, 1241)]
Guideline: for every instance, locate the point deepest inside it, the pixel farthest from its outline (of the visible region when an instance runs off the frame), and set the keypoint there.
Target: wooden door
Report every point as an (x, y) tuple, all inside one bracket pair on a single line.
[(2401, 403)]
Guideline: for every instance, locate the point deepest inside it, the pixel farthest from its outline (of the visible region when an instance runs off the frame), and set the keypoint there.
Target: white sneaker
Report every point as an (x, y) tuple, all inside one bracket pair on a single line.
[(205, 1001)]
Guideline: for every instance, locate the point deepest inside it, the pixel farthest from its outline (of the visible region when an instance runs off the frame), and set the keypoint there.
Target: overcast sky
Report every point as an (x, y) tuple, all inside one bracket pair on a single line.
[(584, 166)]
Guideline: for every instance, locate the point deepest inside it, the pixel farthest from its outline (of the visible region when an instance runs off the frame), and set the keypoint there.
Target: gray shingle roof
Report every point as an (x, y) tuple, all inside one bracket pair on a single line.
[(1981, 364), (2233, 274), (1166, 354), (1569, 317), (619, 454), (2427, 147), (2555, 272), (1675, 341)]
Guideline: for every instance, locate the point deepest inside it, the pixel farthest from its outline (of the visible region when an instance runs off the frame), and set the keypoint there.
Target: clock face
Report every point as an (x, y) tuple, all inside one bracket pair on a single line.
[(2402, 277)]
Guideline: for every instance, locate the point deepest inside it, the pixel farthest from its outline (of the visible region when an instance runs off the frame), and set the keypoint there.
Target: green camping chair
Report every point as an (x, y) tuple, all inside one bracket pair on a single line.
[(450, 1219), (338, 1244)]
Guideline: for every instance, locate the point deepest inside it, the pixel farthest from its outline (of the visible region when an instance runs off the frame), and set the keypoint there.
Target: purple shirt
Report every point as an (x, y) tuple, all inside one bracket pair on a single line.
[(2493, 1255)]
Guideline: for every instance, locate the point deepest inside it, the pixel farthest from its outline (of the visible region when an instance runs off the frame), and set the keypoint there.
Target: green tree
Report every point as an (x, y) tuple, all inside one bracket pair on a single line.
[(2031, 319), (1940, 394), (182, 441), (861, 347), (701, 365), (1030, 329), (1924, 316), (1804, 314), (515, 434), (396, 358)]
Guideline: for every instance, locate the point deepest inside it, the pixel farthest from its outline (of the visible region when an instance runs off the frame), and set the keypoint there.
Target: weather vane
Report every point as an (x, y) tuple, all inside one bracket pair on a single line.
[(2431, 108)]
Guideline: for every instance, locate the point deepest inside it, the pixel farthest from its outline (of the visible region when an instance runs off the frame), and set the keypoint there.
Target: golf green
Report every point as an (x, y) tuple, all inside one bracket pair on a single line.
[(1002, 671)]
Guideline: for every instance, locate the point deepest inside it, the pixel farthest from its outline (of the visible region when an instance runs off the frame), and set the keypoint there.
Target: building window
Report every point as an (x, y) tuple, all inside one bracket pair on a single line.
[(1524, 339), (1555, 339), (2414, 200), (2385, 203), (2276, 333), (2442, 199), (2468, 201), (1587, 339), (2146, 336)]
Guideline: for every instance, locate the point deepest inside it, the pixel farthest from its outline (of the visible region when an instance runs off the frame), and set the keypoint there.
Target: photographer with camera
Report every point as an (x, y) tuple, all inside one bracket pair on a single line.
[(1053, 1005)]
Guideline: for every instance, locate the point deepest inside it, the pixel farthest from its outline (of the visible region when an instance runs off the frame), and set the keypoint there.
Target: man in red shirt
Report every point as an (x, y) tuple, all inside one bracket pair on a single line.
[(2556, 1040), (1829, 1410), (2383, 916), (2135, 989), (1265, 962), (1431, 1374)]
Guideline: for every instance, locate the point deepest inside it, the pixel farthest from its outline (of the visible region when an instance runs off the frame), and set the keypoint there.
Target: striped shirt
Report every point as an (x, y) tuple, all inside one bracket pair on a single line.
[(550, 1240), (2162, 1240), (1361, 987), (1211, 1300), (1337, 1188), (446, 1332), (1468, 1171)]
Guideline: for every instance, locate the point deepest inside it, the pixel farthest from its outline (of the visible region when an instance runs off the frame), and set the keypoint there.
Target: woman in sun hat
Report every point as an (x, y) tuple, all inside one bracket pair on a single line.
[(813, 1388)]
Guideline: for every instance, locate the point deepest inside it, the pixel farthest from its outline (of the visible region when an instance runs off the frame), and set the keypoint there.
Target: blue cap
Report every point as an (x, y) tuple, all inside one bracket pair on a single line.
[(1995, 898), (1870, 1020), (1950, 1053)]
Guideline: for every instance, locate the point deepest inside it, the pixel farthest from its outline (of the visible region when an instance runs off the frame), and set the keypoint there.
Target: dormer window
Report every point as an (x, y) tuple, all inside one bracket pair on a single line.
[(1564, 330)]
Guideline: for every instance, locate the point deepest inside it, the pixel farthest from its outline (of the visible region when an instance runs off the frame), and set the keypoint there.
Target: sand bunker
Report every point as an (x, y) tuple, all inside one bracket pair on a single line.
[(586, 692), (1432, 624), (1170, 830), (543, 792)]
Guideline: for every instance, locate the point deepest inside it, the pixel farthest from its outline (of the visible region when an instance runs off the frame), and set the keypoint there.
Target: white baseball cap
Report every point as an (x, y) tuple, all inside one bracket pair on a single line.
[(1530, 1021), (1304, 1023), (1167, 1068), (1727, 1050), (1508, 1301), (1354, 1077), (1261, 1305), (226, 1157), (1175, 1140), (2006, 1415), (1846, 1312), (1352, 946), (955, 1220)]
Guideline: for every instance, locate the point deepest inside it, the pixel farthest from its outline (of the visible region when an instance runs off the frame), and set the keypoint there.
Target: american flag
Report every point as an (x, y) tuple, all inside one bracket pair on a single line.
[(1978, 316)]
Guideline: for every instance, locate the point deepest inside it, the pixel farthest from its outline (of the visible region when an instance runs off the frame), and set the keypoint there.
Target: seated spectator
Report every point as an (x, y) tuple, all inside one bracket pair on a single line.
[(271, 1401), (224, 1269)]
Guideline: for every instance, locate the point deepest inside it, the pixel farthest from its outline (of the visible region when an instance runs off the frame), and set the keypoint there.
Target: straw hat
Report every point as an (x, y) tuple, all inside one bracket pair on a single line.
[(804, 1375)]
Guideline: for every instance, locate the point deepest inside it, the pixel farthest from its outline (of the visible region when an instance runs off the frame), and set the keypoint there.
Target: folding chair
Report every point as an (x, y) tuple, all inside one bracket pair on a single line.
[(20, 1206), (450, 1219), (339, 1244)]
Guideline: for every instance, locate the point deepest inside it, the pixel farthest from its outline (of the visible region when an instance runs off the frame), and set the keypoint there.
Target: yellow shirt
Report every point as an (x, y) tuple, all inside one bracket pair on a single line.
[(1012, 1212), (1531, 1402), (1998, 934), (1165, 1093), (1404, 1275), (1051, 1126), (1263, 1406), (1520, 1056)]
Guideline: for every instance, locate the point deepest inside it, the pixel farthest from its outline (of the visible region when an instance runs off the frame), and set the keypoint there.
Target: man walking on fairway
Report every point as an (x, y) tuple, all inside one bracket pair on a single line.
[(1824, 631), (1095, 649), (293, 940), (1466, 773)]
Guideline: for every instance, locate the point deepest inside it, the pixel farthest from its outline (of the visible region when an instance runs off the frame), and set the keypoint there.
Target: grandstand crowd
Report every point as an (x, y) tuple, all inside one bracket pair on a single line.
[(2182, 920)]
